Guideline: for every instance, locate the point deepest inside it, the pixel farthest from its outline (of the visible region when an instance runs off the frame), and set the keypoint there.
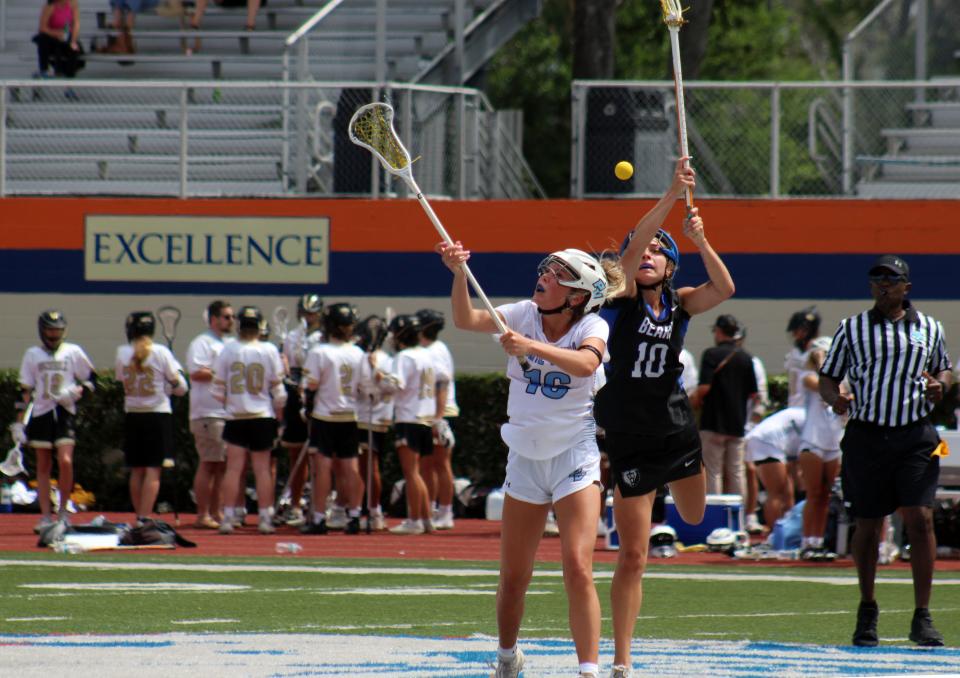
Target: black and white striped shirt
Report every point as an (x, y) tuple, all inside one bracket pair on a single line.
[(884, 361)]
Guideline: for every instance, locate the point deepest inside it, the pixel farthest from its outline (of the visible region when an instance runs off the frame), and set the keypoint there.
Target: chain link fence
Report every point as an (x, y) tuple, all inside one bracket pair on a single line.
[(762, 139), (247, 139)]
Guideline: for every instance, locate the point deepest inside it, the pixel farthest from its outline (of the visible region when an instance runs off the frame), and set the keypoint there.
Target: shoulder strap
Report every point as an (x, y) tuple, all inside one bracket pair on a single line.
[(723, 363)]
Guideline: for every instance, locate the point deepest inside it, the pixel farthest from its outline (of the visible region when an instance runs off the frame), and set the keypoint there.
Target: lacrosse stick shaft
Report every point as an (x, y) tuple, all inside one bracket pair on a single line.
[(370, 469), (294, 469), (681, 108)]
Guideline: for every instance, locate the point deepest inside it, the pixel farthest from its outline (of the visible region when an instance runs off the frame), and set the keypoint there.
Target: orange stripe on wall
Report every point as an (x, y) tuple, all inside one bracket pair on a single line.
[(745, 226)]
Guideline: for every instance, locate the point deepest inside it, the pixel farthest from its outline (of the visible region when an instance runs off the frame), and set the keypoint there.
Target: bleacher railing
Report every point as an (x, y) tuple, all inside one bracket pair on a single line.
[(227, 138), (749, 139)]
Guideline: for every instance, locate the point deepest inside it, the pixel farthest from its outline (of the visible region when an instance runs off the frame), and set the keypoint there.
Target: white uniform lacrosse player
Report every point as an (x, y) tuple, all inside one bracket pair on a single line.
[(553, 456), (414, 411), (330, 375), (248, 379), (768, 445), (150, 374), (374, 410), (207, 416), (52, 376)]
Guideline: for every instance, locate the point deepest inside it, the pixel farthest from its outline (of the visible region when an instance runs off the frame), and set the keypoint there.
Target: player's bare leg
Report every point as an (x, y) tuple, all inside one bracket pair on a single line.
[(520, 532), (632, 516)]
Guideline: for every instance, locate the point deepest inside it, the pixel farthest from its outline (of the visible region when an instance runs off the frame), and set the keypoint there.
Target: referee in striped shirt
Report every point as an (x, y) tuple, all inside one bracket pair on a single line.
[(894, 359)]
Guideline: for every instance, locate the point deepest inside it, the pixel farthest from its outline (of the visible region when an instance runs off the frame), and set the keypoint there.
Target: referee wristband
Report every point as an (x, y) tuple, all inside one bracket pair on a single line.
[(594, 351)]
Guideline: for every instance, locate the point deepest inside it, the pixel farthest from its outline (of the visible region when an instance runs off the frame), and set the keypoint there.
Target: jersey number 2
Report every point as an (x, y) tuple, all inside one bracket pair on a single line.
[(651, 361), (555, 384)]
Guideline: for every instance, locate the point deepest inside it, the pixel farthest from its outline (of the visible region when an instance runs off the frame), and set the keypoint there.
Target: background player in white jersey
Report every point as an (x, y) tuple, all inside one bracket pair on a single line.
[(437, 469), (374, 410), (52, 376), (768, 444), (551, 434), (803, 327), (207, 415), (330, 376), (756, 409), (819, 453), (296, 346), (414, 411), (150, 374), (248, 379), (652, 438)]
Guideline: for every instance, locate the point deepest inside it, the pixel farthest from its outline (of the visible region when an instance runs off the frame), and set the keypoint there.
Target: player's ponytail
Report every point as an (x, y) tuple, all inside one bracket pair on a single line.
[(141, 351)]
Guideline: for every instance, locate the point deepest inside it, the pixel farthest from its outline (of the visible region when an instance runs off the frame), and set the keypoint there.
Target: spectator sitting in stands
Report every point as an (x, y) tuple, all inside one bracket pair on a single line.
[(124, 13), (58, 46), (253, 6)]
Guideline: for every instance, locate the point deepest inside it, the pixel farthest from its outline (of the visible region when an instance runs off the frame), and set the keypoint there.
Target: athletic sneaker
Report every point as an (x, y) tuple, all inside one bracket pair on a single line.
[(508, 669), (409, 527), (337, 518), (42, 524), (817, 554), (295, 517), (865, 634), (753, 524), (314, 528), (265, 526), (922, 631), (620, 671), (352, 526), (587, 674), (443, 521), (226, 527), (378, 524), (550, 529)]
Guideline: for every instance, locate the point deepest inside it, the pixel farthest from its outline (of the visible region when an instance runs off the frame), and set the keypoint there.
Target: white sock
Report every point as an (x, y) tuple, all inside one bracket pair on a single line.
[(376, 511), (590, 667), (446, 509), (319, 517), (354, 512), (507, 654), (228, 512), (264, 514)]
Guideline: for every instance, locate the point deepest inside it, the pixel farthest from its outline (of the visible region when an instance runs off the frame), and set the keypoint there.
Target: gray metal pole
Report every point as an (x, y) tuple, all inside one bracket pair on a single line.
[(775, 141), (406, 124), (847, 130), (3, 140), (920, 49), (184, 149), (301, 154), (460, 20), (381, 41)]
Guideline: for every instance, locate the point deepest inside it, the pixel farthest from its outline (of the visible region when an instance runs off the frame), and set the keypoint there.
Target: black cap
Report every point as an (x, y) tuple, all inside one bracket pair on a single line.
[(728, 325), (891, 262)]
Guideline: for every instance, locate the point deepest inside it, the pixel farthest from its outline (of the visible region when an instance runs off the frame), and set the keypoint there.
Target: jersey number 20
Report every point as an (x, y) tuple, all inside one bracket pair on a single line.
[(651, 361)]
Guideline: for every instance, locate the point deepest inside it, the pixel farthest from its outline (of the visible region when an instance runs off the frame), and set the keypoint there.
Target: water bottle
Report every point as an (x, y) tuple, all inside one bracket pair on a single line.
[(288, 547), (6, 499)]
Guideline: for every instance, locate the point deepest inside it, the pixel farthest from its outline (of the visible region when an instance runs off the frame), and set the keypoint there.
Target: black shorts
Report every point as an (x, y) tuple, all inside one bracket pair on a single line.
[(884, 468), (294, 427), (641, 463), (335, 439), (418, 437), (148, 439), (379, 439), (56, 427), (256, 435)]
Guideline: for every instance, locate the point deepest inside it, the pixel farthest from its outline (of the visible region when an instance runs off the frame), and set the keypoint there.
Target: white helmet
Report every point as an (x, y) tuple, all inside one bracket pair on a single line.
[(588, 275), (662, 535)]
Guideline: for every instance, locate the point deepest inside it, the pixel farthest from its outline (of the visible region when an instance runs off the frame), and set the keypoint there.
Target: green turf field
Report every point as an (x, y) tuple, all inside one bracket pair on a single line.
[(110, 594)]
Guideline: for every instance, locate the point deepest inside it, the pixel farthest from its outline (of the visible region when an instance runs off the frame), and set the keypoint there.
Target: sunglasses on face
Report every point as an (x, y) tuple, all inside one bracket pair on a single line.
[(889, 278), (227, 316)]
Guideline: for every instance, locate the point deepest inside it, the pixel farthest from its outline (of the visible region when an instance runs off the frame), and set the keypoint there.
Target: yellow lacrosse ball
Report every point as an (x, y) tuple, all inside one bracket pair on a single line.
[(623, 170)]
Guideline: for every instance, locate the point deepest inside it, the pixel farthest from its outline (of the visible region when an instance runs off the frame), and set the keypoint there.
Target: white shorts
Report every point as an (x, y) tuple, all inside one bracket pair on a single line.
[(758, 450), (545, 481), (825, 455)]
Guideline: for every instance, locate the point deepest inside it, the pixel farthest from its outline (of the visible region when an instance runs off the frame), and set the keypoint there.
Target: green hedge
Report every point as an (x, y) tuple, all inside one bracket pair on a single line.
[(480, 454)]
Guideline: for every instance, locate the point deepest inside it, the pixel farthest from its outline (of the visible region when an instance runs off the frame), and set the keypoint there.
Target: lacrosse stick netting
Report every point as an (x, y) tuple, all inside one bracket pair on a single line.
[(372, 128), (673, 18), (169, 318)]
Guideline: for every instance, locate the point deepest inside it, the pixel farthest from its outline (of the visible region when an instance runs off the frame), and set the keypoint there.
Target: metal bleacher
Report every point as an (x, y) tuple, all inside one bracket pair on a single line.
[(95, 136)]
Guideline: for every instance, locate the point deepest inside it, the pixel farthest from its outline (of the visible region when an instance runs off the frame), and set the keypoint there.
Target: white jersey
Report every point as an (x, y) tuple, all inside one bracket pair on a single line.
[(794, 364), (781, 431), (690, 377), (549, 409), (52, 377), (443, 360), (296, 346), (202, 353), (148, 389), (415, 378), (823, 428), (333, 371), (244, 374), (381, 393)]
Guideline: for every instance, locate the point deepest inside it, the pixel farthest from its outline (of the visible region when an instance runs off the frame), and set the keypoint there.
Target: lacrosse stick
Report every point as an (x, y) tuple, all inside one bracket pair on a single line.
[(372, 128), (673, 18), (13, 464), (281, 319), (169, 317)]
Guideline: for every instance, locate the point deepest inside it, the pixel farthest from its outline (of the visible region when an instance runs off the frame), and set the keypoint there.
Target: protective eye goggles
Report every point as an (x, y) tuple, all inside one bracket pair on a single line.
[(548, 266), (889, 278)]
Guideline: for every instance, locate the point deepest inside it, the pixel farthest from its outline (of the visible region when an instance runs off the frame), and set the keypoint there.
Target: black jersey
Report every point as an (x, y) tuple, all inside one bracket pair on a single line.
[(644, 393)]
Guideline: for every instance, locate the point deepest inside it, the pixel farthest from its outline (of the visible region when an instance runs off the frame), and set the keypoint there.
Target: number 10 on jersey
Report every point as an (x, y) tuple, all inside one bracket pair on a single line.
[(651, 360)]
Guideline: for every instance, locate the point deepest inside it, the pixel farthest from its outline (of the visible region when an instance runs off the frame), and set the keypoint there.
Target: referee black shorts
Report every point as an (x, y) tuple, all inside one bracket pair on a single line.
[(640, 463), (334, 439), (148, 439), (886, 467)]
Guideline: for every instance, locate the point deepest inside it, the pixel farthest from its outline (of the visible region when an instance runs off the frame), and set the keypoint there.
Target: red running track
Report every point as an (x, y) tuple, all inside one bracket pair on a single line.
[(469, 540)]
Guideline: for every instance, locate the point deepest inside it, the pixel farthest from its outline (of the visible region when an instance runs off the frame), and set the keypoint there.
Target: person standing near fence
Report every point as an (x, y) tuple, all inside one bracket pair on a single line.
[(895, 360)]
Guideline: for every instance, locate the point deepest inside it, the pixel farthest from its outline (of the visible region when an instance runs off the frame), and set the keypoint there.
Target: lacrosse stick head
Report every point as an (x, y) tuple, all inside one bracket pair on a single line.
[(169, 318), (13, 464), (672, 13), (281, 320), (372, 128), (371, 332)]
